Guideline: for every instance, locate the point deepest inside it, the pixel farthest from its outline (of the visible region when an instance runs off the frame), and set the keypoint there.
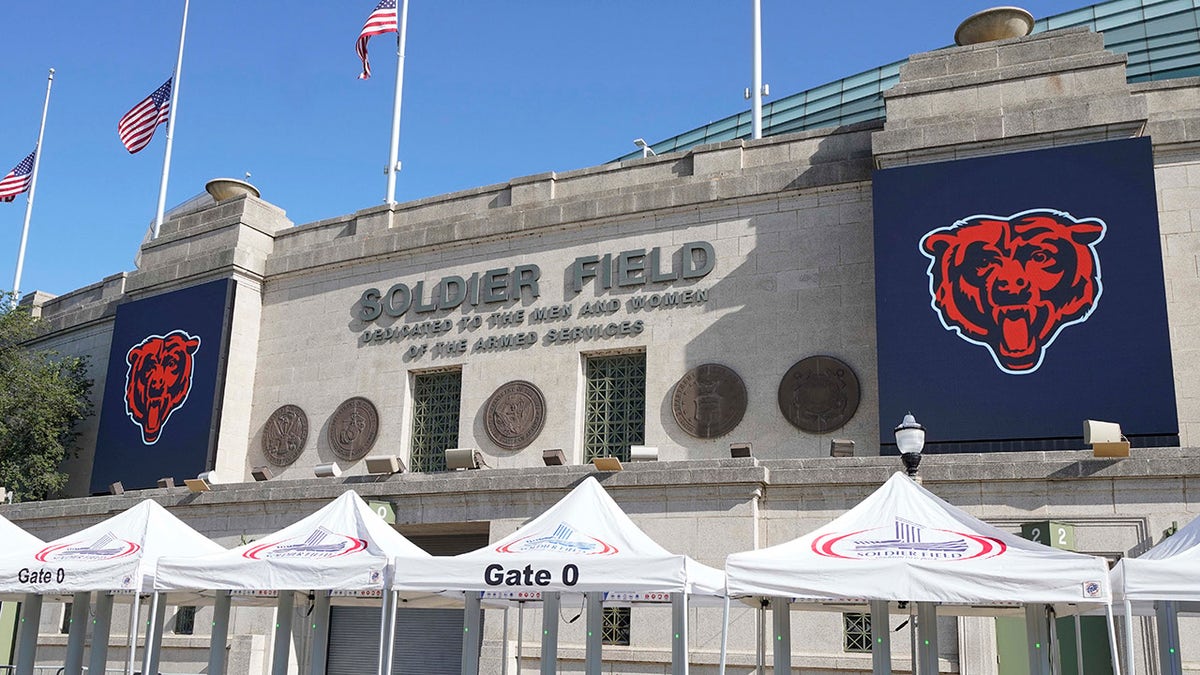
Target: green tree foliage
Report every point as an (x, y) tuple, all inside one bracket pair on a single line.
[(42, 396)]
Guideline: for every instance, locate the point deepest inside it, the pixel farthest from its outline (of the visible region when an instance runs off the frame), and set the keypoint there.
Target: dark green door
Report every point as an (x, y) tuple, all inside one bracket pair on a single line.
[(1013, 657)]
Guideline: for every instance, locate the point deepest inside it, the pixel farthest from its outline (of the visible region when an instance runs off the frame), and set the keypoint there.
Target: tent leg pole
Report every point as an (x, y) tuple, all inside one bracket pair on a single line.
[(781, 646), (31, 618), (154, 639), (134, 611), (685, 639), (679, 652), (148, 643), (724, 635), (470, 646), (384, 597), (1112, 640), (928, 646), (550, 605), (1078, 644), (98, 657), (760, 654), (1129, 637), (520, 633), (594, 647), (81, 603), (504, 646), (1055, 645), (283, 632), (319, 653), (220, 633), (1166, 615), (912, 635), (390, 657), (881, 639)]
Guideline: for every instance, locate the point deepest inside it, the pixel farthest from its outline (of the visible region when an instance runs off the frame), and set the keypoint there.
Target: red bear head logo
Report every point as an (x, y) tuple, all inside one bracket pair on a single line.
[(1012, 284), (158, 380)]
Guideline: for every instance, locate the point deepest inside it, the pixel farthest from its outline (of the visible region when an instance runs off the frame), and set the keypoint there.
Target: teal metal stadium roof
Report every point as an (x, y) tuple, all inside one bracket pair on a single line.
[(1160, 37)]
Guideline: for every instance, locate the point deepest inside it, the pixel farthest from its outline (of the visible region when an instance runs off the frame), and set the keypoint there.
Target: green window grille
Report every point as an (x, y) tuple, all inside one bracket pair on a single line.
[(436, 403), (615, 627), (615, 405), (185, 620), (856, 632)]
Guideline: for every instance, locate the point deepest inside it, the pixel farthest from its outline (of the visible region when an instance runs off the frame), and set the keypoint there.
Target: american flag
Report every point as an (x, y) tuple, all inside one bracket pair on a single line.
[(137, 127), (17, 180), (382, 20)]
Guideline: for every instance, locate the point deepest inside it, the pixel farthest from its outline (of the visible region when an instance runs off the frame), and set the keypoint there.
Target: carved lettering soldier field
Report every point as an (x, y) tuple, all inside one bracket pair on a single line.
[(444, 319)]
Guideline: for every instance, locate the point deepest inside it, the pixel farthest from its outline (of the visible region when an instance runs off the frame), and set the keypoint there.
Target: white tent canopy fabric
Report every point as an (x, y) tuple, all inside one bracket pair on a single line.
[(345, 546), (15, 538), (1170, 571), (903, 543), (584, 543), (116, 554)]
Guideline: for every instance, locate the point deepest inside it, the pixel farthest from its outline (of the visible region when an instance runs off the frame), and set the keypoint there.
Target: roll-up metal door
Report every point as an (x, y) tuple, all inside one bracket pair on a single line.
[(428, 641)]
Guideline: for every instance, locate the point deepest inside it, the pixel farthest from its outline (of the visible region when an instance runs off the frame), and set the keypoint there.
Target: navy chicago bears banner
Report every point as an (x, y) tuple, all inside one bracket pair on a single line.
[(166, 369), (1020, 294)]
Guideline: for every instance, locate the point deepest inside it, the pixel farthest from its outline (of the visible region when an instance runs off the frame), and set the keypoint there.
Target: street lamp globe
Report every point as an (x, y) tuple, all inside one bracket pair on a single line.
[(910, 440)]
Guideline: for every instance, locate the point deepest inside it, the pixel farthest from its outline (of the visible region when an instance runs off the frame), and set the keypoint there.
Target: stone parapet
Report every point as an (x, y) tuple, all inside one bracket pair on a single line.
[(1050, 89), (651, 187), (82, 306), (234, 235)]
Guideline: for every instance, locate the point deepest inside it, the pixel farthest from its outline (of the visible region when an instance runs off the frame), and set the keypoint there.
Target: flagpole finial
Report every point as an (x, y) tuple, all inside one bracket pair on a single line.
[(51, 72)]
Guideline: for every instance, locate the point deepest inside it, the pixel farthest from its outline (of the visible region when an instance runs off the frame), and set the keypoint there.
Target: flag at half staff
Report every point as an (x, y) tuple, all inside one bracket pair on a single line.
[(137, 127), (17, 180), (382, 20)]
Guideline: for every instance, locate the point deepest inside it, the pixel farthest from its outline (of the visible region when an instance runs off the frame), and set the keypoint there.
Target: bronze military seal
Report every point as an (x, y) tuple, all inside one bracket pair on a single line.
[(709, 401), (514, 415), (284, 435), (353, 428), (819, 394)]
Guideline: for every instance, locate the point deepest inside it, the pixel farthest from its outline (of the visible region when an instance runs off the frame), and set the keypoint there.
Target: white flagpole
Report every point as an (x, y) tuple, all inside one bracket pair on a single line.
[(756, 73), (37, 160), (162, 189), (394, 157)]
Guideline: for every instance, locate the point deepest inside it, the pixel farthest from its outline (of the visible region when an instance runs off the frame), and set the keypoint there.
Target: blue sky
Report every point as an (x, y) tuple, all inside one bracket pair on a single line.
[(493, 91)]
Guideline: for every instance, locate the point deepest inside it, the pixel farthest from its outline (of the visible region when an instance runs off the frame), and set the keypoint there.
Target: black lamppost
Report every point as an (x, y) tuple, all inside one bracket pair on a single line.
[(910, 440)]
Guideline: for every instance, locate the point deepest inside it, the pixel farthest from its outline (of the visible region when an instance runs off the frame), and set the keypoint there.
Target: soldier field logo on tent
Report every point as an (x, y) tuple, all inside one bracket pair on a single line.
[(320, 543), (564, 539), (909, 540), (107, 547)]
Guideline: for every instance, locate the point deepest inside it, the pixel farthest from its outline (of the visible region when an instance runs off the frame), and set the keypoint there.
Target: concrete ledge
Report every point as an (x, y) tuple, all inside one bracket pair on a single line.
[(737, 478)]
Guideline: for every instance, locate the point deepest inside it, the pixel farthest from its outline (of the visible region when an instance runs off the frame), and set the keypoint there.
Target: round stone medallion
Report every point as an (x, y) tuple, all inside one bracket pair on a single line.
[(353, 428), (819, 394), (514, 415), (284, 435), (709, 401)]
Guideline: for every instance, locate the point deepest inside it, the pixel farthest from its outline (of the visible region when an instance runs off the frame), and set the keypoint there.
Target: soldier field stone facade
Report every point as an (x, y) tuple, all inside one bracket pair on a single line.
[(751, 255)]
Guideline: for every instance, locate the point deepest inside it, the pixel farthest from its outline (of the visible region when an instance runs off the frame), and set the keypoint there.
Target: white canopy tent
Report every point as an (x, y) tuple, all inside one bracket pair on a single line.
[(1162, 582), (344, 552), (114, 556), (584, 545), (904, 544), (15, 538)]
